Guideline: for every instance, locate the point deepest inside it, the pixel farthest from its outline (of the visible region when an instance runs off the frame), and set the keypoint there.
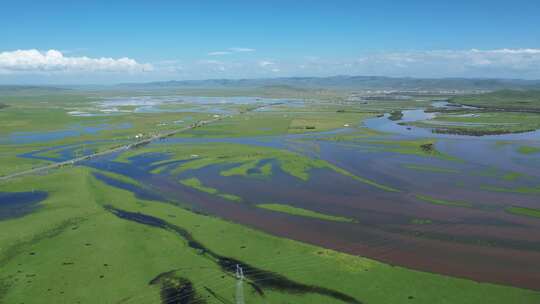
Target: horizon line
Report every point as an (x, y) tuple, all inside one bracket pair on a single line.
[(265, 78)]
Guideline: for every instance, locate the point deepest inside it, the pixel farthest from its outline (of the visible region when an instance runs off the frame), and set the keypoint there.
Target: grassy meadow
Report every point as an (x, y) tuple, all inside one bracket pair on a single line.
[(63, 256), (89, 242)]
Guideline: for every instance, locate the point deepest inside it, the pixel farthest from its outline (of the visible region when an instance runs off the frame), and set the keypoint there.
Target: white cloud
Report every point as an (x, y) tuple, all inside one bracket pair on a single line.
[(265, 63), (169, 66), (241, 50), (218, 53), (211, 62), (520, 63), (495, 63), (59, 67), (230, 51), (509, 51), (266, 66), (34, 61)]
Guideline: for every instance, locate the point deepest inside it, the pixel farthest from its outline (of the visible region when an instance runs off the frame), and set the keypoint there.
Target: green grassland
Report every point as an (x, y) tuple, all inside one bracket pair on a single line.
[(512, 176), (249, 124), (503, 175), (418, 147), (428, 168), (46, 109), (304, 212), (522, 190), (371, 141), (356, 135), (442, 202), (277, 122), (245, 156), (528, 150), (245, 168), (498, 112), (59, 254), (267, 91), (386, 105), (532, 212), (11, 163), (19, 118), (119, 177), (195, 183), (325, 121), (483, 123), (506, 99), (48, 113), (421, 221), (77, 248)]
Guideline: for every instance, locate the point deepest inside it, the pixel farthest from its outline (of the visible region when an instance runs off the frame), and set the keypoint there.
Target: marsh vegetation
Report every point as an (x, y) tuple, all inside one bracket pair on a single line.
[(312, 195)]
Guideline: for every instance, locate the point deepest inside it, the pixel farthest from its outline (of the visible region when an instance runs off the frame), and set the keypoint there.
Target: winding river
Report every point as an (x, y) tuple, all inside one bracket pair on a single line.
[(383, 124)]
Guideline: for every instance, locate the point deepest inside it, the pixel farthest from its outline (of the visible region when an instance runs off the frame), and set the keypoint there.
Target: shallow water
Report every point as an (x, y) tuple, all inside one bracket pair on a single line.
[(47, 136), (215, 105), (68, 151), (383, 124), (17, 204), (482, 241)]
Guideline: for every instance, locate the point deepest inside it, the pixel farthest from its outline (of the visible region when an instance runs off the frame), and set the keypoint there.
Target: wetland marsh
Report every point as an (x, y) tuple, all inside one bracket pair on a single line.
[(318, 201)]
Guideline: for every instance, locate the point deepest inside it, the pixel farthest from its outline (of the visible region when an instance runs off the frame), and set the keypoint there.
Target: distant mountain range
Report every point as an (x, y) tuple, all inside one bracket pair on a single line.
[(301, 84), (348, 83)]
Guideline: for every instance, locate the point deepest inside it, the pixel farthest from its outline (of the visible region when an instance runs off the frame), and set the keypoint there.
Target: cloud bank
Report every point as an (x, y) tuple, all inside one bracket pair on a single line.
[(520, 63), (54, 61), (33, 66), (231, 51), (471, 63), (241, 49)]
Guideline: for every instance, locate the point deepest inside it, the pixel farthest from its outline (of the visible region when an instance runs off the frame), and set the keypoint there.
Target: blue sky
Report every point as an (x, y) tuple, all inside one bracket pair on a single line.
[(233, 39)]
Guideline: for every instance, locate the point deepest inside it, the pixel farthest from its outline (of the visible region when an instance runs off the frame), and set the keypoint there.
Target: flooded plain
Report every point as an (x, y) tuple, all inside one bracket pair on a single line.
[(174, 104), (449, 216), (17, 204), (383, 124), (21, 138)]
